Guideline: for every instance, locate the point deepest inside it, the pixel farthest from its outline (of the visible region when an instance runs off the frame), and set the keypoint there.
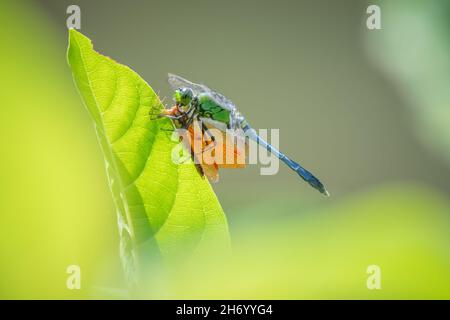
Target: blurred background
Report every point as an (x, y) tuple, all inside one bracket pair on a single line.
[(368, 111)]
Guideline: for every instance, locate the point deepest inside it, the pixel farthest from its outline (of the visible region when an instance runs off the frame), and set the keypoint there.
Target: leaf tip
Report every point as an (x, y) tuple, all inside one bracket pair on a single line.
[(76, 39)]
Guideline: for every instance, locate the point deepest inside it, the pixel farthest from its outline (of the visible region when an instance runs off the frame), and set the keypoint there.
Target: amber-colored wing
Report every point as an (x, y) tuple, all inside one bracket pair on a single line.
[(226, 151), (197, 145)]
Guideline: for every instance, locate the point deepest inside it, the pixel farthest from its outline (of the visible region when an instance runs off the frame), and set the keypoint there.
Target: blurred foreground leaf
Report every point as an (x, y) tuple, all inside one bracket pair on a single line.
[(163, 209)]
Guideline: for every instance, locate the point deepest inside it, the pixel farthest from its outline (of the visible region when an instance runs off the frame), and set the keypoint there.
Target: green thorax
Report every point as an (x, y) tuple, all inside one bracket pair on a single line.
[(208, 108)]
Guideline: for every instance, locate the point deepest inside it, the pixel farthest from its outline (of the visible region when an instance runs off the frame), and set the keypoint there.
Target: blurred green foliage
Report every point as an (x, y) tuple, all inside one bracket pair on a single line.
[(54, 195), (163, 209)]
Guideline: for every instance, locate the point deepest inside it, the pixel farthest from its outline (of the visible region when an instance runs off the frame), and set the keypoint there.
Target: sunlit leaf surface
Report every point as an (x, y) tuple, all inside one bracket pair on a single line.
[(163, 208)]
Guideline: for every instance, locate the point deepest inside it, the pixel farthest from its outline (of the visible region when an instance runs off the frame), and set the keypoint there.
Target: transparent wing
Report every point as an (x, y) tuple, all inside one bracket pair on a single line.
[(178, 82)]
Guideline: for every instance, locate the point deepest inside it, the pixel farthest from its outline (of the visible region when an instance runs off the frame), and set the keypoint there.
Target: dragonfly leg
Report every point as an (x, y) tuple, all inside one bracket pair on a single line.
[(190, 119), (159, 115), (166, 129), (155, 113), (211, 144), (171, 117), (200, 169), (154, 116)]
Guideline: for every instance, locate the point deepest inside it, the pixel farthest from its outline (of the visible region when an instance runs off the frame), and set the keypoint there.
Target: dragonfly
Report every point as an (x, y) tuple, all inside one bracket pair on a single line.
[(199, 105)]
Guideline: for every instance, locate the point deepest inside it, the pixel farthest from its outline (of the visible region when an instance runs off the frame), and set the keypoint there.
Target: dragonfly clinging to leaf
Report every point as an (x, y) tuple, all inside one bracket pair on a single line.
[(196, 103)]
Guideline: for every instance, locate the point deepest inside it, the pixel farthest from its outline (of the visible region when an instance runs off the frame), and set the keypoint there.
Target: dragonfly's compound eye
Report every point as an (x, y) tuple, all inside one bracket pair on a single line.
[(183, 96)]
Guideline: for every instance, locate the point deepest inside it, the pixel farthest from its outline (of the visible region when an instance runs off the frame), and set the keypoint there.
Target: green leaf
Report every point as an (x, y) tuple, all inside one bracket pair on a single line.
[(164, 209)]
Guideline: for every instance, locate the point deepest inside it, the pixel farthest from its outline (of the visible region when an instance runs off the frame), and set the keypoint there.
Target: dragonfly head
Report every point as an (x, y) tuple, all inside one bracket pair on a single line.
[(183, 96)]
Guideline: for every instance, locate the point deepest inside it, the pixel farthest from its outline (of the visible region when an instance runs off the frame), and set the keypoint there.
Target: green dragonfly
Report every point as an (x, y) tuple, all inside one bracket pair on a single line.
[(197, 102)]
